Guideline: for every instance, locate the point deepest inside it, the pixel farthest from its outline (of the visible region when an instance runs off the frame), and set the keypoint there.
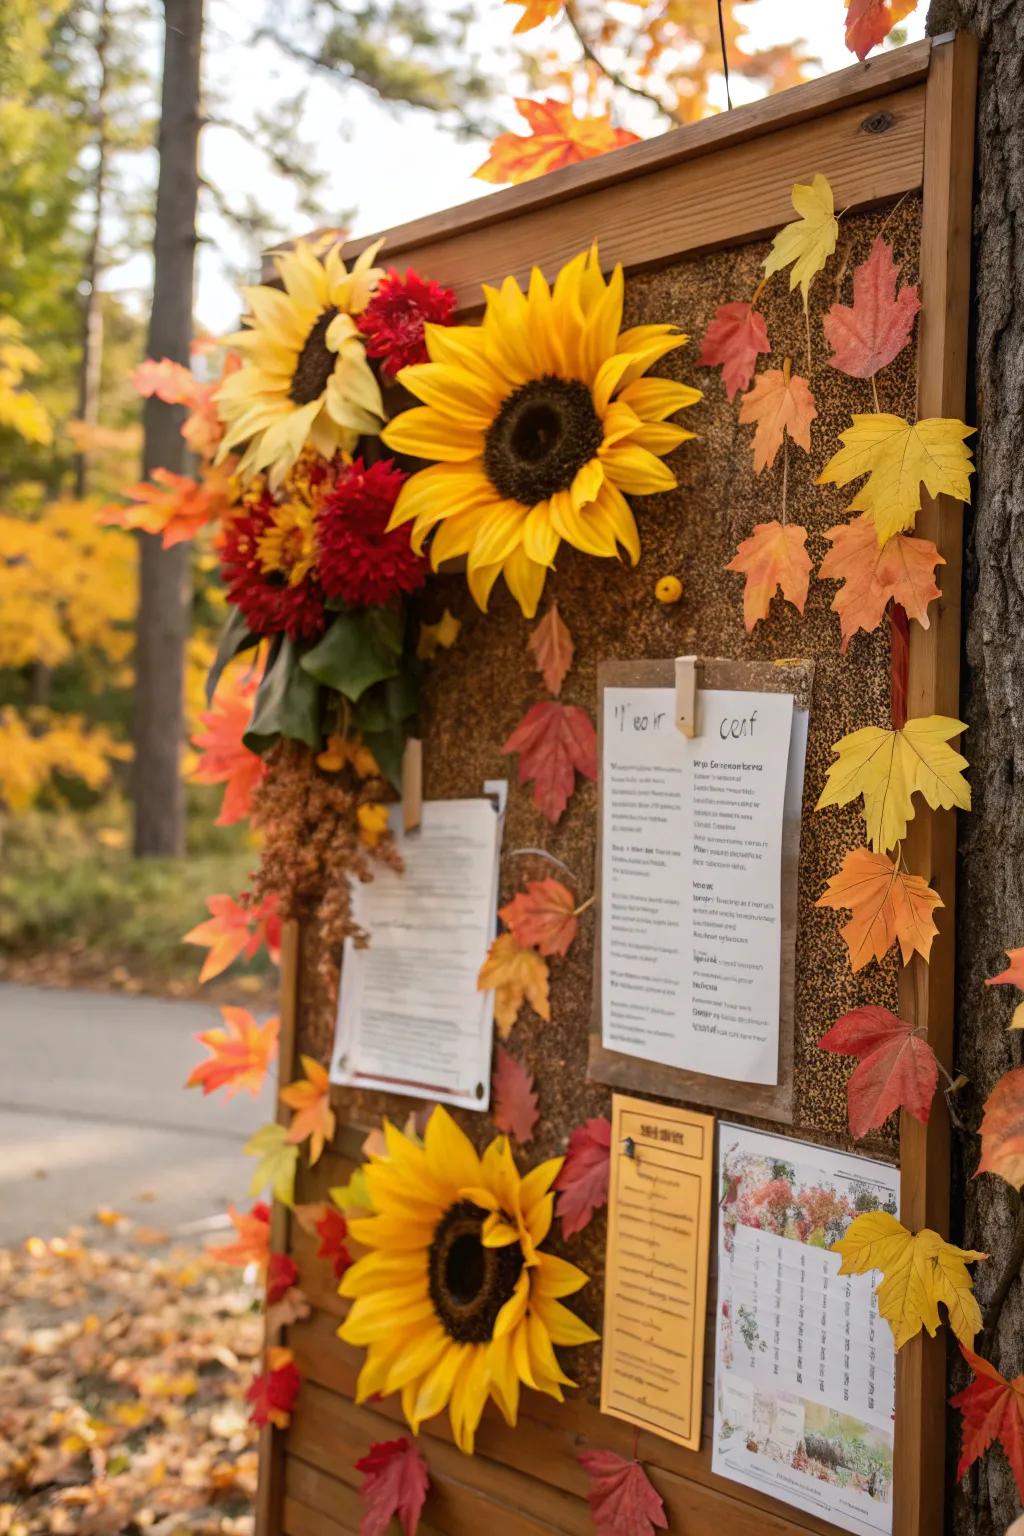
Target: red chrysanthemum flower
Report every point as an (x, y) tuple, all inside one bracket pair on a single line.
[(271, 603), (393, 320), (358, 560)]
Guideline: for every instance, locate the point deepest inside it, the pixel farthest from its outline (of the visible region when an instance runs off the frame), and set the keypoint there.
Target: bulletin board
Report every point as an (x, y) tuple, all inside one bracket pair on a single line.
[(688, 215)]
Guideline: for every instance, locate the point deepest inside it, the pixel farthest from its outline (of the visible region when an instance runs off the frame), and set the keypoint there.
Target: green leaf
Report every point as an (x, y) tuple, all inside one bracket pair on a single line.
[(358, 650), (387, 703), (388, 747), (235, 638), (287, 702)]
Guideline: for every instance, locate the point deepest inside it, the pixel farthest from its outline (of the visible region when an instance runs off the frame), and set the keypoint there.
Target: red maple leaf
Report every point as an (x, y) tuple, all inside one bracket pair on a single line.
[(273, 1391), (735, 338), (514, 1106), (623, 1501), (897, 1068), (235, 928), (868, 335), (395, 1483), (869, 22), (544, 916), (555, 742), (582, 1182), (252, 1245), (992, 1409), (223, 757), (282, 1273), (332, 1230)]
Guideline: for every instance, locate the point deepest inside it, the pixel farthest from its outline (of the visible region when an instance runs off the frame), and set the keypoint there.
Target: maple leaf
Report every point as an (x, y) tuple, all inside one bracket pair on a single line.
[(780, 404), (869, 22), (992, 1409), (175, 506), (332, 1230), (443, 634), (897, 1067), (889, 767), (291, 1307), (542, 916), (395, 1484), (517, 975), (241, 1054), (534, 12), (898, 459), (886, 906), (773, 557), (233, 929), (278, 1158), (282, 1273), (1002, 1130), (273, 1392), (809, 241), (223, 756), (1013, 974), (868, 335), (169, 381), (552, 647), (514, 1102), (919, 1271), (735, 338), (310, 1098), (622, 1498), (555, 741), (903, 568), (582, 1182), (252, 1245), (557, 138)]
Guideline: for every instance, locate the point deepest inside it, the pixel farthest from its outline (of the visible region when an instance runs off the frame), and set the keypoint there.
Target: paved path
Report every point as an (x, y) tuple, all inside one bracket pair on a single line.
[(93, 1113)]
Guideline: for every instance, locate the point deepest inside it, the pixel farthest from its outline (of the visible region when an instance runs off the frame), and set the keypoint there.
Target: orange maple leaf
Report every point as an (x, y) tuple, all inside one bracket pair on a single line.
[(552, 647), (773, 557), (992, 1409), (514, 1104), (310, 1098), (517, 975), (542, 917), (534, 12), (902, 569), (252, 1244), (1002, 1130), (1013, 975), (886, 906), (779, 404), (234, 929), (557, 138), (869, 22), (734, 339), (241, 1054), (169, 381), (175, 506), (223, 756)]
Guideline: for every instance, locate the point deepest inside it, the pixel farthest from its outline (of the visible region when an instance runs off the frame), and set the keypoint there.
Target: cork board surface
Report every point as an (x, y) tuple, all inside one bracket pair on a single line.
[(474, 695)]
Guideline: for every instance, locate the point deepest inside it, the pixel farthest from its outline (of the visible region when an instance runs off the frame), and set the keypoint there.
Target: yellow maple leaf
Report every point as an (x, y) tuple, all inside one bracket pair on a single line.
[(919, 1270), (517, 975), (897, 459), (809, 241), (887, 767), (310, 1098), (444, 633), (277, 1162)]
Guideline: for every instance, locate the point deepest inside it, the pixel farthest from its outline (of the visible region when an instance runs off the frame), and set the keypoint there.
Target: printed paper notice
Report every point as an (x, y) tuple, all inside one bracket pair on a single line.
[(805, 1370), (691, 899), (659, 1226), (410, 1018)]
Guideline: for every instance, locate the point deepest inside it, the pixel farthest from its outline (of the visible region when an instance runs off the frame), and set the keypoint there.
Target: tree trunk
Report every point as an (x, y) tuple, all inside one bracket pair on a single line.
[(164, 575), (91, 365), (990, 899)]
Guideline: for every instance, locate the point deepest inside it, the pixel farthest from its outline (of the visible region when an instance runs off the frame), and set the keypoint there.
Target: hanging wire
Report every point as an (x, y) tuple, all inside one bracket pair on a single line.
[(725, 54)]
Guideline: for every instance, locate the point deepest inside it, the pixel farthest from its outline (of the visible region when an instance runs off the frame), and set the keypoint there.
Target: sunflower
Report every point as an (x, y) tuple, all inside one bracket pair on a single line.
[(542, 422), (455, 1301), (305, 378)]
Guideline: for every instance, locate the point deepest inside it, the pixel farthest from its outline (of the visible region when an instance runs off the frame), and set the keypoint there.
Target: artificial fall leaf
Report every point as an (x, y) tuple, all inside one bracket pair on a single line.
[(534, 12), (443, 634), (807, 243), (310, 1098), (898, 459), (514, 1101), (779, 404), (332, 1230), (278, 1158), (869, 22), (557, 138), (773, 557), (903, 569), (919, 1270), (223, 757), (290, 1307), (735, 338), (169, 381), (282, 1273), (395, 1485), (174, 506), (273, 1392), (1002, 1130), (582, 1182), (1014, 973), (992, 1409), (866, 336), (555, 742), (543, 916), (886, 906), (552, 647), (622, 1498), (241, 1054), (252, 1245), (897, 1067), (889, 767), (517, 975), (233, 929)]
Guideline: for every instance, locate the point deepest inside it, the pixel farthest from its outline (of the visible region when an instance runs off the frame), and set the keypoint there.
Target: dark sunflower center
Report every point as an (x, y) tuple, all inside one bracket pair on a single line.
[(469, 1284), (316, 362), (543, 435)]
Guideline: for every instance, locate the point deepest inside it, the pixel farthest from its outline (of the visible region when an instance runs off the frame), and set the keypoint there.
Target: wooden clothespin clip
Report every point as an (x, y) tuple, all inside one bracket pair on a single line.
[(686, 694), (412, 784)]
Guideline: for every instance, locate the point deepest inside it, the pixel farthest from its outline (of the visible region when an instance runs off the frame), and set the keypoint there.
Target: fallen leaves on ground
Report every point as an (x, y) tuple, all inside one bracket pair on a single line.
[(552, 647), (898, 458), (1002, 1129), (555, 742), (395, 1483), (517, 975), (774, 557), (223, 759), (582, 1182), (513, 1100), (241, 1054), (866, 336), (122, 1391), (897, 1067), (544, 916), (992, 1408), (310, 1099), (888, 768), (886, 905), (734, 340), (234, 928), (807, 243), (780, 405), (903, 569), (557, 138), (869, 22), (919, 1271), (622, 1498)]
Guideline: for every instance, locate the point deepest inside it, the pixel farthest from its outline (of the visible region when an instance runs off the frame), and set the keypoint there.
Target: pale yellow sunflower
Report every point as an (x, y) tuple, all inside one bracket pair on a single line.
[(305, 378), (455, 1302), (542, 423)]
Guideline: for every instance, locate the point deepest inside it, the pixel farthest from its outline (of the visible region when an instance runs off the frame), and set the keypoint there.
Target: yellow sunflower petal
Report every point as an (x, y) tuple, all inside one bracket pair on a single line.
[(540, 538), (587, 483), (442, 490), (557, 1277), (273, 311), (521, 1354), (525, 580), (436, 1387), (303, 277), (654, 399), (635, 470), (619, 513), (514, 1309), (542, 1355), (537, 1182), (453, 538), (499, 532), (481, 582), (660, 437), (453, 391), (451, 1155), (417, 1357), (426, 434), (588, 529), (601, 327), (563, 1326)]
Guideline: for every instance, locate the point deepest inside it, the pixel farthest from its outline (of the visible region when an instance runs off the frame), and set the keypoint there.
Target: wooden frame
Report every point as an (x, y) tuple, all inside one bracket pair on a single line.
[(901, 123)]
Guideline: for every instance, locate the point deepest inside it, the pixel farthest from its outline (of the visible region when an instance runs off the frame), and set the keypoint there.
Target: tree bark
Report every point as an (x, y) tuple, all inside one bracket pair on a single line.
[(990, 900), (91, 365), (164, 575)]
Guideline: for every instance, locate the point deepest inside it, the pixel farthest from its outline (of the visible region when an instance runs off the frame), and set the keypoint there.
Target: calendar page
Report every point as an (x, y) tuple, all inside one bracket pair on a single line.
[(805, 1368)]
